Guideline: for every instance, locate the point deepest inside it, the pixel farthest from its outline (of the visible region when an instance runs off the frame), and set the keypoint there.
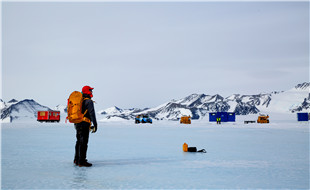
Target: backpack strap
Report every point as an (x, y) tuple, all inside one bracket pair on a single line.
[(85, 118)]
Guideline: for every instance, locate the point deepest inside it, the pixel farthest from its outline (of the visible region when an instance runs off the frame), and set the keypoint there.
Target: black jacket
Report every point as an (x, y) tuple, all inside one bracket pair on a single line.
[(88, 105)]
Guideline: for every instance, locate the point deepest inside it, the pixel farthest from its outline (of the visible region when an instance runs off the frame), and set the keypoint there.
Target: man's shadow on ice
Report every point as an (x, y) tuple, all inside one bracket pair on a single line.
[(130, 161)]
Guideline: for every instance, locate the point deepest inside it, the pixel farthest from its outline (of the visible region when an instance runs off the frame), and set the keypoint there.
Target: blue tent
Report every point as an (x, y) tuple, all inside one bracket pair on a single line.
[(231, 117), (212, 117), (303, 116), (225, 116)]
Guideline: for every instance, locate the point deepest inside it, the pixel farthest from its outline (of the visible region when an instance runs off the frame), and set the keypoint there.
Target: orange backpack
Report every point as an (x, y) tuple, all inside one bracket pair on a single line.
[(74, 109)]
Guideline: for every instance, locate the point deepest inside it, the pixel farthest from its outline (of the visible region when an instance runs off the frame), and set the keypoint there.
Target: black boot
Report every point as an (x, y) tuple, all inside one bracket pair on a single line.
[(75, 162), (85, 164)]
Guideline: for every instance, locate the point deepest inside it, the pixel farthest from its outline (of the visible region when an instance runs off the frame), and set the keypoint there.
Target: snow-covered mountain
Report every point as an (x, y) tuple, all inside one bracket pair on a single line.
[(24, 110), (111, 111), (61, 108), (2, 104), (301, 90), (198, 105), (116, 114)]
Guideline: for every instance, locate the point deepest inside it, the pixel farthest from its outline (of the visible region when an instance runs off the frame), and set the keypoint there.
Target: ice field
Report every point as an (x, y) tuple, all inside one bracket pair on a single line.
[(130, 156)]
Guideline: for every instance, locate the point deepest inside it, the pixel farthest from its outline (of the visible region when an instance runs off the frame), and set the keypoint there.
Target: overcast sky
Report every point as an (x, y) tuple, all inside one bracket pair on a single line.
[(140, 54)]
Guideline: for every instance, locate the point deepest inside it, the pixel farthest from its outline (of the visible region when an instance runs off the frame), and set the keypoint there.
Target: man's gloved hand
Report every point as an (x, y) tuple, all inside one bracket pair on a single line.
[(94, 129)]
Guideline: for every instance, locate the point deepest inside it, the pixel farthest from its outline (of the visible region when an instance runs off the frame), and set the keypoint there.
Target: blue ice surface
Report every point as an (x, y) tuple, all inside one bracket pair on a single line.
[(150, 156)]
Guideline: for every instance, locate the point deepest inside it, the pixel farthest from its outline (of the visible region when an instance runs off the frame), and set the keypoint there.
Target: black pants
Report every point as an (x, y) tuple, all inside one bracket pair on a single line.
[(82, 134)]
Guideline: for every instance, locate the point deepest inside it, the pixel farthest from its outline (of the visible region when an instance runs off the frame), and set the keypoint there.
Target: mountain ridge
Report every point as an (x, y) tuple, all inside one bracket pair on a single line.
[(25, 109), (196, 105)]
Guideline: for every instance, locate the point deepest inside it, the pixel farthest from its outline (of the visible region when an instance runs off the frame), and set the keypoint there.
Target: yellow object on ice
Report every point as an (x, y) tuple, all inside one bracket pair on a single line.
[(185, 147)]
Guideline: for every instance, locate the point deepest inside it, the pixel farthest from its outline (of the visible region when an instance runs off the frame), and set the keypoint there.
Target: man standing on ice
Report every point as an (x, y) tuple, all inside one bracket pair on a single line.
[(82, 129)]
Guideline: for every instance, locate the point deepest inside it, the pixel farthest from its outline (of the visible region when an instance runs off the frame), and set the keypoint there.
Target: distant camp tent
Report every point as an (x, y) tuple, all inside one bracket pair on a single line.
[(303, 116), (225, 116), (231, 117)]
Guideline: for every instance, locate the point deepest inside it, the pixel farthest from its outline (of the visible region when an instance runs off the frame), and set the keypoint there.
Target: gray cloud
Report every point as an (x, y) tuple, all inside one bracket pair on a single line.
[(142, 54)]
